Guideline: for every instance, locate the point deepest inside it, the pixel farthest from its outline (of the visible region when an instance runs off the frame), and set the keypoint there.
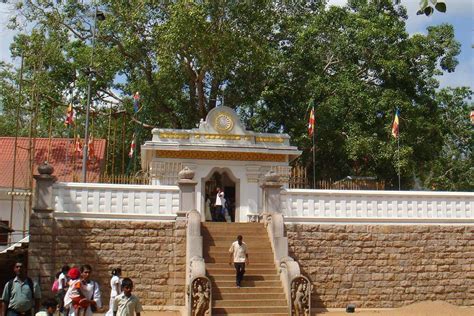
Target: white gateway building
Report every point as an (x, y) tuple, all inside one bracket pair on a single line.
[(222, 153)]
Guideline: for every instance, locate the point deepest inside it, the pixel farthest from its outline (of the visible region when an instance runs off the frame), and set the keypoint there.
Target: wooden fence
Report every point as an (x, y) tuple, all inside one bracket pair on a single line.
[(298, 179), (124, 179)]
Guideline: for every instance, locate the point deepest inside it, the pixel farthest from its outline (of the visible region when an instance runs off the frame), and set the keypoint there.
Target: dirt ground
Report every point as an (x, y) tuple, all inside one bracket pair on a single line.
[(418, 309), (426, 308)]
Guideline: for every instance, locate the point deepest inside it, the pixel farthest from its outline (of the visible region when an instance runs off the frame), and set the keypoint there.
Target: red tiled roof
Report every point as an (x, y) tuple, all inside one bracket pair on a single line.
[(67, 164)]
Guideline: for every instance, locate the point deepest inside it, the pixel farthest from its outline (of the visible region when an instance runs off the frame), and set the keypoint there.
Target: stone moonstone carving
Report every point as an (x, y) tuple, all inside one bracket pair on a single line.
[(223, 123), (200, 297), (300, 296)]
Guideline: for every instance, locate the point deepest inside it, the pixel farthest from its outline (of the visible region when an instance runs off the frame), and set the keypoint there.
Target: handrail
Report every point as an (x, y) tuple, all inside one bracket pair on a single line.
[(289, 269), (197, 283)]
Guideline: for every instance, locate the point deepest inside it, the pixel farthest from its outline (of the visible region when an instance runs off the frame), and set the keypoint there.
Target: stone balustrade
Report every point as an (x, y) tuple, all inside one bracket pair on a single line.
[(377, 206), (115, 200)]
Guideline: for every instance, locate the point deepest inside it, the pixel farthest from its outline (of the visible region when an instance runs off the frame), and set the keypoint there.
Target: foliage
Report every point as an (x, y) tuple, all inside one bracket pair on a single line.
[(453, 170), (270, 61)]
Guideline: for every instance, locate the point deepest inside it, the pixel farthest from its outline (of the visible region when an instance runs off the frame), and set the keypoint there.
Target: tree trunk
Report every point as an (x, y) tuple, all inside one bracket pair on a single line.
[(201, 95)]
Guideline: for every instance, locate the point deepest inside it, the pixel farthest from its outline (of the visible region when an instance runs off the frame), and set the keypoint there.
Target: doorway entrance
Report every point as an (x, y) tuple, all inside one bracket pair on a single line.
[(224, 179)]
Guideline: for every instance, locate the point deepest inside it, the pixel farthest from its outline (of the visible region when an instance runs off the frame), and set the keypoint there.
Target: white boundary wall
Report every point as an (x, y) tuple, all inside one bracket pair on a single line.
[(98, 200), (351, 206)]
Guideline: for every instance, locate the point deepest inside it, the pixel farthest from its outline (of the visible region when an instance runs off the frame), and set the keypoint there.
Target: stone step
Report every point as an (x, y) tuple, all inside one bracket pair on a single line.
[(248, 270), (232, 225), (253, 314), (241, 296), (254, 302), (250, 277), (255, 265), (250, 310), (250, 243), (261, 292), (247, 283), (248, 290), (251, 233), (222, 249), (233, 230), (219, 257), (230, 238)]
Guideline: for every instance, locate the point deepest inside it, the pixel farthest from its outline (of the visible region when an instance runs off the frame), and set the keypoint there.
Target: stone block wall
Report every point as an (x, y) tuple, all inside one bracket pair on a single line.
[(152, 254), (385, 266)]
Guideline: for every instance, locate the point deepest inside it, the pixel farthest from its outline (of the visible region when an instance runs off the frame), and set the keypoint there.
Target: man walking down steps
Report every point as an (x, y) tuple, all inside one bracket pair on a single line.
[(238, 255)]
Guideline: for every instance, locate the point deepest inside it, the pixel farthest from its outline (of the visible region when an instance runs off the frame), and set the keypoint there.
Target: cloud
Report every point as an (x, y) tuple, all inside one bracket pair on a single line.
[(339, 3)]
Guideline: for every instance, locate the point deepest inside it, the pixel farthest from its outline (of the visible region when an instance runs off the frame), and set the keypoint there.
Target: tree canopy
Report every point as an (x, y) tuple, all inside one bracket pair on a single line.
[(270, 61)]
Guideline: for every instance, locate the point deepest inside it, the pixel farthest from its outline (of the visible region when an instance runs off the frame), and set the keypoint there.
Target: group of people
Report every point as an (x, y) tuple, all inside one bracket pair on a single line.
[(75, 294), (219, 210)]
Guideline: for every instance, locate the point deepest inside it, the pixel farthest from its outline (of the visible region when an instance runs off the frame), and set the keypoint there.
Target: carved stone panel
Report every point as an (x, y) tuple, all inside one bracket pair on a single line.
[(300, 303), (200, 297)]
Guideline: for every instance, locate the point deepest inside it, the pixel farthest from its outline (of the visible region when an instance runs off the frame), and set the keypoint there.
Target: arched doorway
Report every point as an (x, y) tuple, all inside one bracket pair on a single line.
[(221, 178)]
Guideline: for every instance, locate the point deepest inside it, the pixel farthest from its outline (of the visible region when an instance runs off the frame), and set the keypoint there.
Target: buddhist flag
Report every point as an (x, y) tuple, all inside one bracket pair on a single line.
[(136, 101), (132, 147), (91, 151), (311, 122), (396, 124), (78, 145), (69, 116)]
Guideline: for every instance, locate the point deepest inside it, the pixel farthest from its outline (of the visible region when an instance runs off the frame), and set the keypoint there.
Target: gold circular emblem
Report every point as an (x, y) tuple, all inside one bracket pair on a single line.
[(223, 123)]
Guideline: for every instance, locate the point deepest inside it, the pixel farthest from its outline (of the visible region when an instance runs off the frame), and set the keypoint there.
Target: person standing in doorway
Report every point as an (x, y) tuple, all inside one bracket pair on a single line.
[(239, 256), (219, 205), (20, 295)]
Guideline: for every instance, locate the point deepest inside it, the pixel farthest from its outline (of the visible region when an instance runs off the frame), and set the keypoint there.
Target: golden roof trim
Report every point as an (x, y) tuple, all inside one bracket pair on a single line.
[(221, 155)]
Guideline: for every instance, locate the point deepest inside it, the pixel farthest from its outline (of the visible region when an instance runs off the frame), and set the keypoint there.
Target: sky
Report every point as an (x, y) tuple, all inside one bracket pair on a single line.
[(460, 13)]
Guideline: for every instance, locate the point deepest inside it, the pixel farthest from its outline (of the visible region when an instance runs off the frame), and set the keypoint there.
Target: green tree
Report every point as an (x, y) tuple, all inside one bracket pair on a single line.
[(358, 64), (453, 168), (269, 61)]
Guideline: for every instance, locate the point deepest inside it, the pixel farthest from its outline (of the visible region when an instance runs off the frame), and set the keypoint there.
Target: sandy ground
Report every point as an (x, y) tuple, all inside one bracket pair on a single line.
[(436, 308)]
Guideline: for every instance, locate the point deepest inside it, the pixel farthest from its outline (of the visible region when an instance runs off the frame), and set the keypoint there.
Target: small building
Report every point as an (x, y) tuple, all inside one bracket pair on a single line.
[(16, 177)]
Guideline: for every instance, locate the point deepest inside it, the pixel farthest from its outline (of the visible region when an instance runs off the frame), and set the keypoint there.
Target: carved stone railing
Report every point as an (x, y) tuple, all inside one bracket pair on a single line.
[(198, 299), (198, 288), (298, 298)]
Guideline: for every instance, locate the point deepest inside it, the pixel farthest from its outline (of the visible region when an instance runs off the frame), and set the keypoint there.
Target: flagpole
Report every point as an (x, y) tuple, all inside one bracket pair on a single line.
[(398, 154), (314, 161)]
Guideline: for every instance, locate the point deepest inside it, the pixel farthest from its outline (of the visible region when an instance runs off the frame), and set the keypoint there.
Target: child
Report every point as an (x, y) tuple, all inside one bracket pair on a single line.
[(74, 295), (49, 308), (125, 304)]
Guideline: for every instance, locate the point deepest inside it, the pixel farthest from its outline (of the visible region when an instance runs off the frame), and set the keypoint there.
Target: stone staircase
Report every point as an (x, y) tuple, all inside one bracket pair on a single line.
[(261, 292)]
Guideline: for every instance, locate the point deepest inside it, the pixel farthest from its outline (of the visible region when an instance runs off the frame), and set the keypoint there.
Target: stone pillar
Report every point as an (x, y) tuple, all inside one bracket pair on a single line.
[(42, 245), (44, 189), (187, 191), (271, 193)]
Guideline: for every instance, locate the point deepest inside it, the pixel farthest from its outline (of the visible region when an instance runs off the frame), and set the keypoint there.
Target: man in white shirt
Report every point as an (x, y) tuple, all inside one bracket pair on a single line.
[(219, 206), (239, 256)]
